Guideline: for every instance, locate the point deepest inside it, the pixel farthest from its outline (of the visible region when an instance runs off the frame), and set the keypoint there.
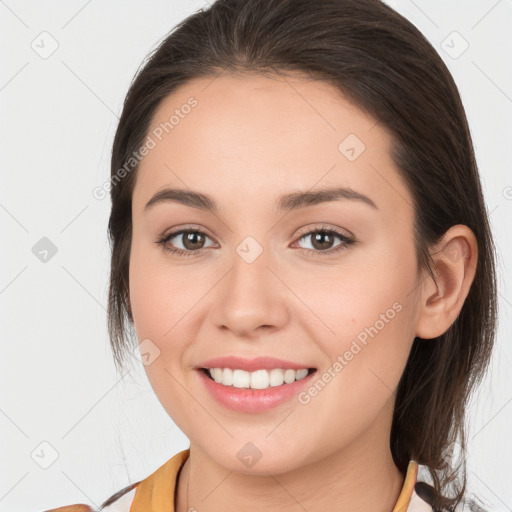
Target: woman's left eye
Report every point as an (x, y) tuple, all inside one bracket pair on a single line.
[(320, 238), (190, 238)]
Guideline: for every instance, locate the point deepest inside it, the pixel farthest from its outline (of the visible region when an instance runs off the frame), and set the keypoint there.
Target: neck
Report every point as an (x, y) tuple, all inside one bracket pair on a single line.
[(356, 478)]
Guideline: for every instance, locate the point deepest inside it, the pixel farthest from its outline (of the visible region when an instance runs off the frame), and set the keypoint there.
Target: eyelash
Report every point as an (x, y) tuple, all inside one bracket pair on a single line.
[(346, 241)]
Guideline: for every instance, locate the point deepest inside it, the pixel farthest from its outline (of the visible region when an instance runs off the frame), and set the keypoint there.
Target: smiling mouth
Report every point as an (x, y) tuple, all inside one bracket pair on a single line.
[(208, 374)]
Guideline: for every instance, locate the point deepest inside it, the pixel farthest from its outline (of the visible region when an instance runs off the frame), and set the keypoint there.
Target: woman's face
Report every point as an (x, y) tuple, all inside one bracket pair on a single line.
[(260, 278)]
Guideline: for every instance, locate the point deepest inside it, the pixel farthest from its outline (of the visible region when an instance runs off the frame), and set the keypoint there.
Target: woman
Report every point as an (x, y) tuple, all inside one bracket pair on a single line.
[(301, 247)]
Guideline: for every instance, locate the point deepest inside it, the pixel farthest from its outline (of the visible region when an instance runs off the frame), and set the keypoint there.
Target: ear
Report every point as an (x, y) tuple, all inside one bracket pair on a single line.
[(441, 300)]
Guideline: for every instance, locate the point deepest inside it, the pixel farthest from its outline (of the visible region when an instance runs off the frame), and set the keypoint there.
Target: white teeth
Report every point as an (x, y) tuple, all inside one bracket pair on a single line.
[(259, 379)]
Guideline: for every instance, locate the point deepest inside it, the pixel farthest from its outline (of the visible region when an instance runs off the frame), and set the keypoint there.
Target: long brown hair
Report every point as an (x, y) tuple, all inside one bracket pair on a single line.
[(387, 68)]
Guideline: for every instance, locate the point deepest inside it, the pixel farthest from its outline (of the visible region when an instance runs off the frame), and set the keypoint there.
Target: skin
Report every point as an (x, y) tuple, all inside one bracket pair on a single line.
[(249, 140)]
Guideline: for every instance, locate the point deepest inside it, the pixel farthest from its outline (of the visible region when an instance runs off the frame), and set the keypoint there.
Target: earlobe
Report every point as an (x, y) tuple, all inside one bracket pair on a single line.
[(441, 300)]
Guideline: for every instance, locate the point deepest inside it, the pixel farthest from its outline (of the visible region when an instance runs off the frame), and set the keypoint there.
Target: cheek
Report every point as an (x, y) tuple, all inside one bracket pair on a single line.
[(366, 356), (159, 294), (161, 304), (365, 314), (166, 302)]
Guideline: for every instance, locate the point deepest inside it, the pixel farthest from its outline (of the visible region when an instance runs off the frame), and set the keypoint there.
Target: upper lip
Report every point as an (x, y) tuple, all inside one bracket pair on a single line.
[(251, 365)]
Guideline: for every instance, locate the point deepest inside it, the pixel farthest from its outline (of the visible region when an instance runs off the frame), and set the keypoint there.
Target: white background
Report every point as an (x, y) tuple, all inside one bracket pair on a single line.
[(58, 117)]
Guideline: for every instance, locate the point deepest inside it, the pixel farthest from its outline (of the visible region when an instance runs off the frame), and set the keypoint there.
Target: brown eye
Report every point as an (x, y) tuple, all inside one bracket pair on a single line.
[(323, 241), (192, 240)]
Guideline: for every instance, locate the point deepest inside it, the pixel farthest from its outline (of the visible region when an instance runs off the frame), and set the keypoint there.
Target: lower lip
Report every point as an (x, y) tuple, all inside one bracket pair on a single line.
[(253, 400)]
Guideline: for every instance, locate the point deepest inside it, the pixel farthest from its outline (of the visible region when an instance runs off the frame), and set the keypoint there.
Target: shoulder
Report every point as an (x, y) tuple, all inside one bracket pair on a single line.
[(121, 501), (72, 508), (160, 482), (428, 493)]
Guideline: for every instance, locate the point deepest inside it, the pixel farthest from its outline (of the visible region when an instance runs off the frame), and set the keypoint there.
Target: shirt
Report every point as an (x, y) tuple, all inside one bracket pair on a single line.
[(156, 493)]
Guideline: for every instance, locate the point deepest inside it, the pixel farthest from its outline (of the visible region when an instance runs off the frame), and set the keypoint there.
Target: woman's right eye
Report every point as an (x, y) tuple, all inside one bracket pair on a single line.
[(189, 239)]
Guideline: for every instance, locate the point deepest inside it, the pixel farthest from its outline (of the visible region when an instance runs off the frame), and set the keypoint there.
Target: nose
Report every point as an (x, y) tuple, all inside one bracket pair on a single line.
[(251, 298)]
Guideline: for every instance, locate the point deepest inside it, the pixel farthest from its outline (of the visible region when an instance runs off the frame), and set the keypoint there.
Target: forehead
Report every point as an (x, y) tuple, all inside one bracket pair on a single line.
[(247, 136)]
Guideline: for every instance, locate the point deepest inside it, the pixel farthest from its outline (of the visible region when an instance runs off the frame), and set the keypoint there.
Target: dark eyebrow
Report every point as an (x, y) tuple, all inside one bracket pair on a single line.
[(298, 200), (186, 197), (288, 202)]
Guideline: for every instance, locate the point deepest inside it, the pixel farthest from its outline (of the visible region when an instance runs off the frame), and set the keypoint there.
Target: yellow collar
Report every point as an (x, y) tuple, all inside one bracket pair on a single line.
[(402, 504), (158, 489)]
